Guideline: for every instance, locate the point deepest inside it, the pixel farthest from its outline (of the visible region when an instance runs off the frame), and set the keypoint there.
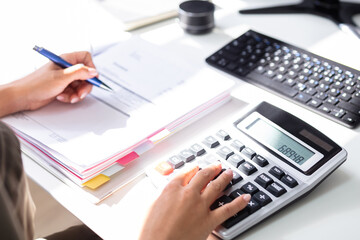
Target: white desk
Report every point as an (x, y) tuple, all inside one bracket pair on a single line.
[(331, 211)]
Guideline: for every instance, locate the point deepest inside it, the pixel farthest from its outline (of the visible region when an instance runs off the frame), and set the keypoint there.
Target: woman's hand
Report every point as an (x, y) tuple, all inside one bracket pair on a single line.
[(182, 211), (48, 83)]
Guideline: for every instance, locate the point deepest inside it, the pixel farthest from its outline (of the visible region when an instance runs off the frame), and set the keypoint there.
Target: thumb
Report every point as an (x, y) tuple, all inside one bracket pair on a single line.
[(78, 72)]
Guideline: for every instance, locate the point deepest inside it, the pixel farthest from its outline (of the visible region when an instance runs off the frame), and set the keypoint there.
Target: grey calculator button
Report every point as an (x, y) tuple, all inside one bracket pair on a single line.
[(237, 145), (225, 152), (175, 162), (187, 155), (248, 152), (236, 160), (197, 149), (223, 135), (211, 142)]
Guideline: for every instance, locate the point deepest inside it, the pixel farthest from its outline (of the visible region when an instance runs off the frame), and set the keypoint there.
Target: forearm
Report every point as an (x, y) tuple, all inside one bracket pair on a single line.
[(12, 99)]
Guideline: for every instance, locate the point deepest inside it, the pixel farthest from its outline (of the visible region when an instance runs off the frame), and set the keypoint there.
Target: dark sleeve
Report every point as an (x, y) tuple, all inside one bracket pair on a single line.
[(16, 206)]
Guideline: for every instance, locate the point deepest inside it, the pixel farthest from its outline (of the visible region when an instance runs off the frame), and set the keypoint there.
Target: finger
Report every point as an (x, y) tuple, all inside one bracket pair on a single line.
[(79, 57), (228, 210), (76, 72), (67, 95), (204, 176), (84, 89), (186, 175), (217, 186)]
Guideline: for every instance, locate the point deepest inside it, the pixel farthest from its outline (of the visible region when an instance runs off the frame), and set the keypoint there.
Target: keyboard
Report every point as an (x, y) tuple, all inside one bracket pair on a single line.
[(321, 85), (274, 170)]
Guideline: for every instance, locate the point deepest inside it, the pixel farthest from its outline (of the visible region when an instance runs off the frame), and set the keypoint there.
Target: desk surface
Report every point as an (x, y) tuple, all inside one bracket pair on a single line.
[(331, 211)]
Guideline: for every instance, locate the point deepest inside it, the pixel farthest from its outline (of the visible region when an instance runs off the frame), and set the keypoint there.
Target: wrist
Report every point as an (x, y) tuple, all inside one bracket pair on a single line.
[(12, 98)]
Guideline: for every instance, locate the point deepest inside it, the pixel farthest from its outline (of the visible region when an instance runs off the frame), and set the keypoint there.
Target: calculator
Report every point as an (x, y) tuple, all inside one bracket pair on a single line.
[(275, 156)]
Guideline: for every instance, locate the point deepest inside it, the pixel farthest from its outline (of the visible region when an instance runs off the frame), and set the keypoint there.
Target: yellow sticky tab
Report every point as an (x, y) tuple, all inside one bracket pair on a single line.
[(96, 181)]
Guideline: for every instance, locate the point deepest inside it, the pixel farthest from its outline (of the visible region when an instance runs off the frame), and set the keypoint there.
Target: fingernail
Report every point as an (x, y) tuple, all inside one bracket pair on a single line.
[(74, 100), (92, 71), (60, 98), (246, 197), (82, 96), (228, 172)]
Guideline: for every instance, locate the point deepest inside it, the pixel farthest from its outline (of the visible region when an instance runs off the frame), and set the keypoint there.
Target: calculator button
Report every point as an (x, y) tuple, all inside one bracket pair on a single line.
[(260, 160), (262, 198), (276, 189), (276, 172), (175, 162), (247, 168), (236, 218), (237, 145), (263, 180), (223, 135), (211, 142), (197, 149), (187, 155), (289, 181), (253, 206), (248, 152), (225, 152), (236, 178), (249, 188), (221, 201), (236, 193), (235, 160), (164, 168)]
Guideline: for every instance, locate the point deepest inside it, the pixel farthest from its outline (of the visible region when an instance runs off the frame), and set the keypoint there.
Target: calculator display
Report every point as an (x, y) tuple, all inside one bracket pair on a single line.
[(284, 144)]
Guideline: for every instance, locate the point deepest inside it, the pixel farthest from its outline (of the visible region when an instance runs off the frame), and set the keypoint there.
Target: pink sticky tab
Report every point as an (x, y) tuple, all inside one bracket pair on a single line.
[(128, 158)]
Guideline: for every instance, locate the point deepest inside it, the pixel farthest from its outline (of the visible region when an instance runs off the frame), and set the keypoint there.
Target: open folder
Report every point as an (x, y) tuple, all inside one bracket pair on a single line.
[(92, 143)]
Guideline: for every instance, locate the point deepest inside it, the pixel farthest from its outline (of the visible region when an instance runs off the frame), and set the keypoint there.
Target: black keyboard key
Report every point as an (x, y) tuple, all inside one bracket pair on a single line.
[(273, 85), (236, 218), (276, 189), (253, 206), (303, 97), (221, 201), (262, 198), (351, 118), (236, 178), (349, 107), (276, 172), (249, 188), (264, 180), (289, 181), (247, 168), (236, 193)]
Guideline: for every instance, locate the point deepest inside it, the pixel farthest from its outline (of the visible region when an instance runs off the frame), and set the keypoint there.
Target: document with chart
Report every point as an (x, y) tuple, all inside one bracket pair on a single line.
[(155, 95)]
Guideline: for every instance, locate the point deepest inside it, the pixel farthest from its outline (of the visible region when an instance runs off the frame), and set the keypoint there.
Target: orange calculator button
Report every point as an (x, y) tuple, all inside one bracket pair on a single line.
[(164, 168)]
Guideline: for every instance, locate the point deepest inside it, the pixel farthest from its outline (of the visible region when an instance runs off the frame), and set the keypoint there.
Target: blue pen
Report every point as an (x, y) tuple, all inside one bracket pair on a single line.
[(64, 64)]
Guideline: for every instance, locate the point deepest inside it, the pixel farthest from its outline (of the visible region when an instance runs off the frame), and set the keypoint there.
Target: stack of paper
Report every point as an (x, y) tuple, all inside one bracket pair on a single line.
[(156, 93)]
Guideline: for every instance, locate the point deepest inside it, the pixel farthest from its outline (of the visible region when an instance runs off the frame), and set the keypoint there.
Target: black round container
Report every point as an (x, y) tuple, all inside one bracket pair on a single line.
[(197, 17)]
